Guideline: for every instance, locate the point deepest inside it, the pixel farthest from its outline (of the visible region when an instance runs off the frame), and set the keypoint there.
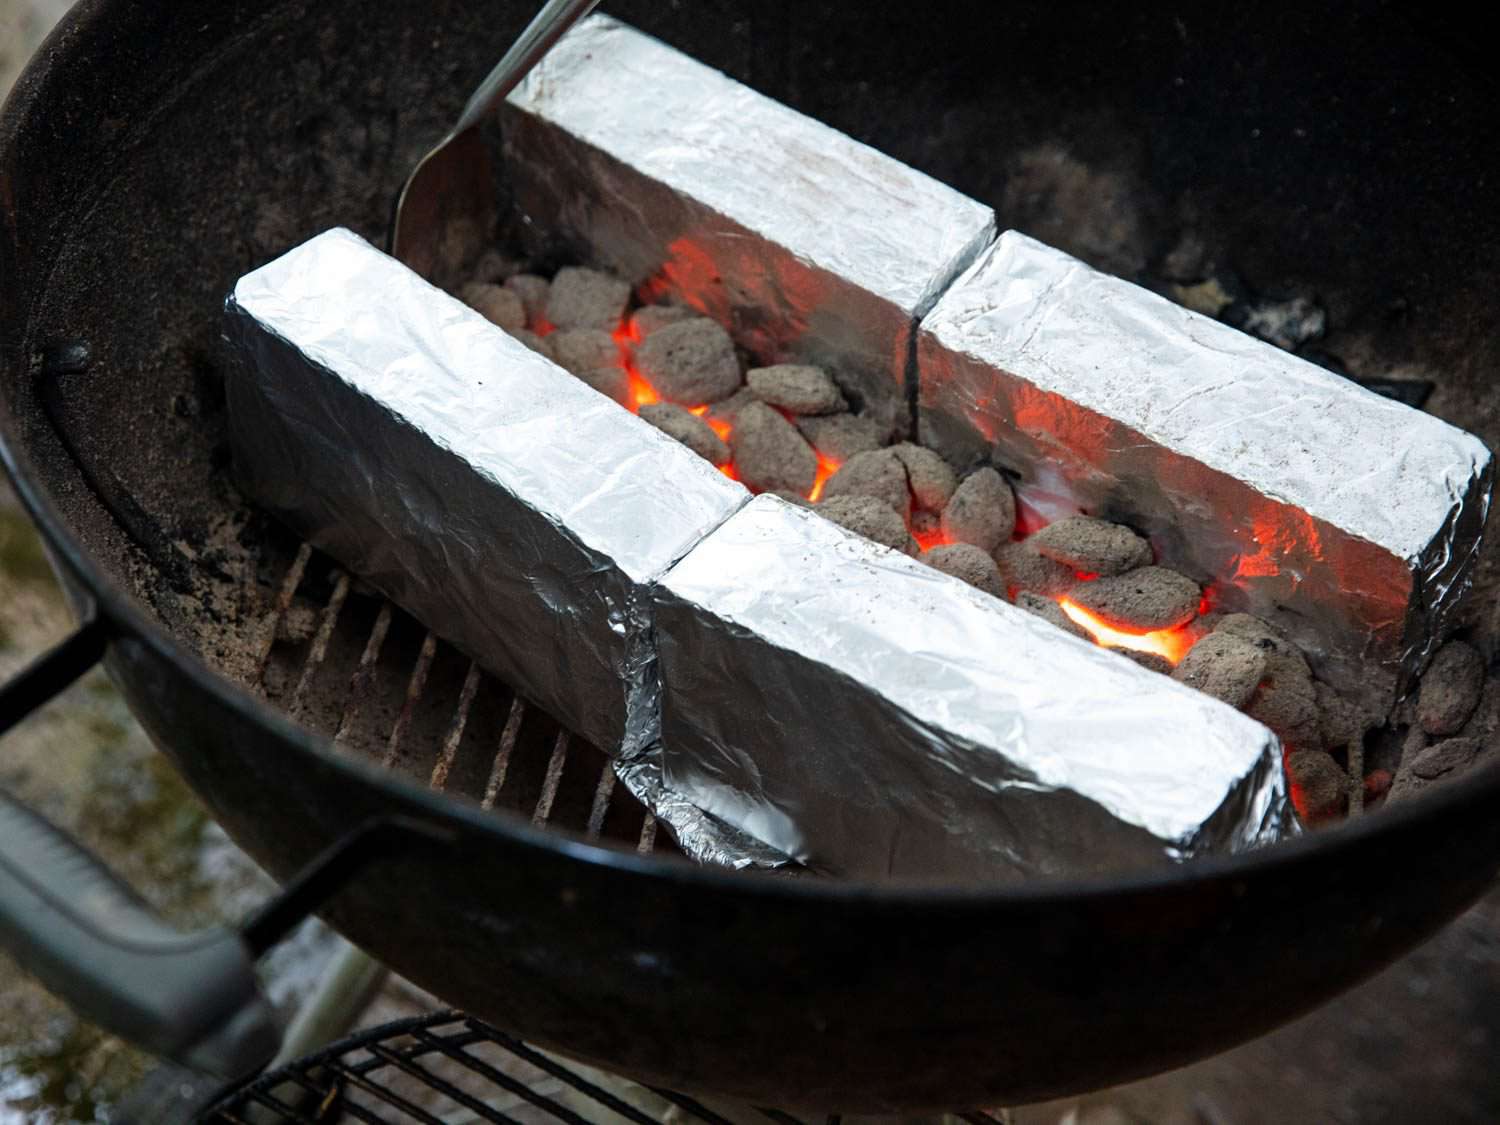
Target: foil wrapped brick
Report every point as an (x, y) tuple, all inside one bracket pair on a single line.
[(806, 244), (856, 710), (511, 508), (1350, 520)]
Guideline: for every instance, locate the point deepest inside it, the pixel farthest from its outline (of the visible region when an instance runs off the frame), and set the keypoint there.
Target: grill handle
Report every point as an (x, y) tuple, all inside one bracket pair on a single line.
[(192, 998), (71, 923)]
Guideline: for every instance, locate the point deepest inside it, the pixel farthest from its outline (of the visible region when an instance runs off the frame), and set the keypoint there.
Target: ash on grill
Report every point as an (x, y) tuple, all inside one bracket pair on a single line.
[(788, 429)]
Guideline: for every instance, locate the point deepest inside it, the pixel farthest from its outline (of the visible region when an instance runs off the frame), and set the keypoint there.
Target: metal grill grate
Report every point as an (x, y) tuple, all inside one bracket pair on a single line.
[(345, 662), (447, 1068)]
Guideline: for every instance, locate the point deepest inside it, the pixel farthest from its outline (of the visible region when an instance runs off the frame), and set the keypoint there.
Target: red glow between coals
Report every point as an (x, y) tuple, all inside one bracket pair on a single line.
[(1172, 644), (927, 540), (827, 466)]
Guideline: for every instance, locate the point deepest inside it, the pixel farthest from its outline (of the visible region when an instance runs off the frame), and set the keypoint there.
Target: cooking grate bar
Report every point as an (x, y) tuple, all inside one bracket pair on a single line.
[(600, 808), (364, 673), (455, 734), (319, 648), (695, 1107), (508, 738), (414, 688), (647, 842), (449, 1090), (980, 1117), (289, 584), (552, 780)]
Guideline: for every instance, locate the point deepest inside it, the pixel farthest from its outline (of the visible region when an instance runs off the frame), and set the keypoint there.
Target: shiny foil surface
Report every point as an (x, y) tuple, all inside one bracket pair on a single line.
[(809, 246), (869, 716), (511, 508), (1350, 520)]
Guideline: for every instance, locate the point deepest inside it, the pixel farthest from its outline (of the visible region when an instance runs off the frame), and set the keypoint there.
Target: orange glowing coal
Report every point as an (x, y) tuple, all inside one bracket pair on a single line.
[(1172, 644), (827, 466)]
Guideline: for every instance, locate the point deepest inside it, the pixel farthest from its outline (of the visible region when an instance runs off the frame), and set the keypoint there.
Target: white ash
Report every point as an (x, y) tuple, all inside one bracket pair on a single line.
[(645, 321), (496, 304), (689, 429), (1093, 546), (867, 516), (1450, 689), (1151, 661), (969, 563), (585, 298), (840, 436), (690, 363), (797, 387), (1151, 597), (878, 474), (611, 382), (932, 481), (1435, 765), (982, 511), (1322, 784), (583, 349), (769, 454), (533, 291), (1049, 610), (1026, 569), (1225, 666)]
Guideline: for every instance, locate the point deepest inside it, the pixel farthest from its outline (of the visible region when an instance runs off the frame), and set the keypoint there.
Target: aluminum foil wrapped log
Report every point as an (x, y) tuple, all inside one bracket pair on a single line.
[(511, 508), (1350, 520), (869, 716), (807, 245)]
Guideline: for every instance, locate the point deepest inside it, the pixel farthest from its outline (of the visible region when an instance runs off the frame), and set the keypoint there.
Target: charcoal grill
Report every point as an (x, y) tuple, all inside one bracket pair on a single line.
[(153, 153)]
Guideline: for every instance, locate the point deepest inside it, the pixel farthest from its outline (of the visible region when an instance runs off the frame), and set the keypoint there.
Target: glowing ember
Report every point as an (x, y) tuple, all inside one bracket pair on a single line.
[(717, 425), (642, 393), (826, 468), (929, 539), (1172, 644)]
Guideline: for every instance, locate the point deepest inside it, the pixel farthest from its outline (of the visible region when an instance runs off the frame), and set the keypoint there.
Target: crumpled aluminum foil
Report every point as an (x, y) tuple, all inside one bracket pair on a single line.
[(807, 245), (869, 716), (1350, 520), (513, 509)]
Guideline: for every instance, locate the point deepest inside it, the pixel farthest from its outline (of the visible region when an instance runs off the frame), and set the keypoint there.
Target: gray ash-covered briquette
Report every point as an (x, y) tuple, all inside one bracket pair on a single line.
[(1342, 722), (690, 363), (867, 516), (585, 298), (496, 304), (689, 429), (878, 474), (1450, 689), (1151, 661), (932, 481), (536, 343), (769, 454), (982, 511), (1438, 764), (1151, 597), (612, 382), (1225, 666), (494, 266), (797, 387), (726, 410), (1026, 569), (645, 321), (533, 291), (583, 349), (1321, 784), (1288, 704), (969, 563), (840, 436), (1049, 610), (1093, 546), (1283, 659), (925, 525)]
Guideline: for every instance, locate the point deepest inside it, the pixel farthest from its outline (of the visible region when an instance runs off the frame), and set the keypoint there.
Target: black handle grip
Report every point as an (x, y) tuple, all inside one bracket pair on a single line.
[(192, 998)]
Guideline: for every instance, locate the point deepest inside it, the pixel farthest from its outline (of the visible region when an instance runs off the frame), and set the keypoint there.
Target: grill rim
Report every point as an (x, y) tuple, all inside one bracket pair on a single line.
[(26, 108)]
